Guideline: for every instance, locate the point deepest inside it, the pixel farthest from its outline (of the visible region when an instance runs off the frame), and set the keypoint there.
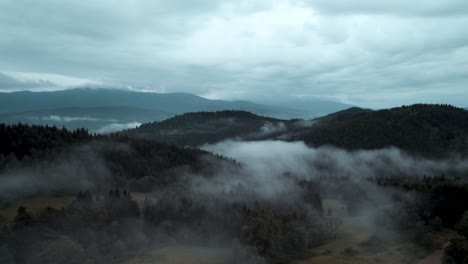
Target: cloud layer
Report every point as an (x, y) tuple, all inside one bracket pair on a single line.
[(370, 53)]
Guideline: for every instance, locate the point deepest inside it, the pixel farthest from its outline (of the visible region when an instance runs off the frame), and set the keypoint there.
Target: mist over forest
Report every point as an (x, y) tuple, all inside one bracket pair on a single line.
[(254, 196), (250, 132)]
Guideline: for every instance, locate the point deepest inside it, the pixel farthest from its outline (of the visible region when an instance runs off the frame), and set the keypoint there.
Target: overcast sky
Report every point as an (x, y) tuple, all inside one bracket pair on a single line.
[(364, 52)]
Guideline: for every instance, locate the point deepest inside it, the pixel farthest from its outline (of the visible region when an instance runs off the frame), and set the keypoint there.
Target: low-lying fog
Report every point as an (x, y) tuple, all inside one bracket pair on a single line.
[(265, 158), (270, 174)]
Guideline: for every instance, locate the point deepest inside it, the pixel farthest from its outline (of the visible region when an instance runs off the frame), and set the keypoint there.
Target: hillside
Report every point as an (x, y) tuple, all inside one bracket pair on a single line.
[(343, 115), (432, 130), (209, 127), (24, 140), (97, 162)]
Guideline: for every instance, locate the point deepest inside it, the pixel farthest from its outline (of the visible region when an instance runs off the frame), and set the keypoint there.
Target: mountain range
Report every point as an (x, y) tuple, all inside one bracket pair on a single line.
[(106, 110)]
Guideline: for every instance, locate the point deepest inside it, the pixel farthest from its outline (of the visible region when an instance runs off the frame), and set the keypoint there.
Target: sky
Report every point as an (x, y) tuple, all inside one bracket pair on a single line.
[(362, 52)]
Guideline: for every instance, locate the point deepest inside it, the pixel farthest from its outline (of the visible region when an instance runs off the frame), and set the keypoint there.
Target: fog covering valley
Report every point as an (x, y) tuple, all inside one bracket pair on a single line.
[(250, 192), (252, 131)]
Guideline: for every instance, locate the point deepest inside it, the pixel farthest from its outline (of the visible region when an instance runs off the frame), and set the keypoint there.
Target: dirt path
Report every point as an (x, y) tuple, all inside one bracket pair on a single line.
[(436, 257)]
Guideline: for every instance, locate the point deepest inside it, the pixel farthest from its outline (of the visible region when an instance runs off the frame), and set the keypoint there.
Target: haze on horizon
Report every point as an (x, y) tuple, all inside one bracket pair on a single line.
[(362, 52)]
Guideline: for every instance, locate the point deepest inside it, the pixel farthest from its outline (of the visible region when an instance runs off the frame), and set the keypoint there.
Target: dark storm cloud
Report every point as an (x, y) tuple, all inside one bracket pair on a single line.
[(371, 53)]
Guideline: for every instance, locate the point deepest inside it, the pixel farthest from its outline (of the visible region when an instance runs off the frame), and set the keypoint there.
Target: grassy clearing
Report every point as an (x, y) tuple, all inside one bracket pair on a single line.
[(34, 204), (354, 253), (139, 197), (181, 255)]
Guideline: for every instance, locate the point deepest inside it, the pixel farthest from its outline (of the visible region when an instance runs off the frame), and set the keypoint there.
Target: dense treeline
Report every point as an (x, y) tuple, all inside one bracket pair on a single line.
[(105, 227), (29, 140), (430, 130), (94, 227), (110, 226), (209, 127), (457, 252), (440, 197), (115, 160), (417, 209), (429, 204), (137, 158)]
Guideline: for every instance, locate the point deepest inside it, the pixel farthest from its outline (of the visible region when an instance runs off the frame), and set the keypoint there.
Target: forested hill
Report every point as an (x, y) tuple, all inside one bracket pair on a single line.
[(429, 130), (125, 158), (30, 140), (343, 115), (209, 127)]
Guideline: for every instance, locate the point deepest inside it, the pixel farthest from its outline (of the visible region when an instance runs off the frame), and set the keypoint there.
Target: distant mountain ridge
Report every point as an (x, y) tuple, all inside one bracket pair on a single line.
[(175, 103), (107, 110)]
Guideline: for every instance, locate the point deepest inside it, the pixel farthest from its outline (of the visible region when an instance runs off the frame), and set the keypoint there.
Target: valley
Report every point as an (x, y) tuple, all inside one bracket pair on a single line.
[(233, 132), (231, 186)]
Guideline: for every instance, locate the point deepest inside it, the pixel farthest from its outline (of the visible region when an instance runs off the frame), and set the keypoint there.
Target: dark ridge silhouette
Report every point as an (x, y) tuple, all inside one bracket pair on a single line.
[(344, 114), (425, 129), (209, 127)]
